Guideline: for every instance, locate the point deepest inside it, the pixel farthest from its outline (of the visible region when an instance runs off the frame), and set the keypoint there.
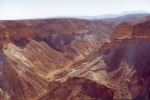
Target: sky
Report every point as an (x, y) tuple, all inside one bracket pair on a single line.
[(28, 9)]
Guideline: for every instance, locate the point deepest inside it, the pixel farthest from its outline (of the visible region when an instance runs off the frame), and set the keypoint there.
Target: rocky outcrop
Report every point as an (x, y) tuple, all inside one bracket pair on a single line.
[(43, 27), (142, 29), (125, 29), (127, 61), (133, 63), (78, 88), (63, 35), (74, 59), (40, 51)]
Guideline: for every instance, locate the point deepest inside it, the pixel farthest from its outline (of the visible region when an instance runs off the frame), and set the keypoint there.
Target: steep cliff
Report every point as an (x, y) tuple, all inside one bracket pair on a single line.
[(129, 55), (43, 27), (60, 34), (120, 64), (74, 59), (125, 29), (36, 52)]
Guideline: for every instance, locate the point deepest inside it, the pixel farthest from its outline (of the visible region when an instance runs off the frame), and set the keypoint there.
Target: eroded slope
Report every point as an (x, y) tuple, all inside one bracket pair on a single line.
[(65, 65), (120, 64), (36, 52)]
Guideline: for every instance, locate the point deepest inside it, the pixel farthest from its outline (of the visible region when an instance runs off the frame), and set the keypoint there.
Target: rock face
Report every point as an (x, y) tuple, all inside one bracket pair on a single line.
[(60, 34), (78, 88), (36, 52), (132, 56), (126, 28), (142, 29), (43, 27), (66, 59)]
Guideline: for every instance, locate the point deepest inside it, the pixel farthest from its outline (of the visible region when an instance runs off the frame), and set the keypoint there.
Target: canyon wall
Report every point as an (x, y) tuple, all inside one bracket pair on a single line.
[(74, 59), (121, 64), (37, 52)]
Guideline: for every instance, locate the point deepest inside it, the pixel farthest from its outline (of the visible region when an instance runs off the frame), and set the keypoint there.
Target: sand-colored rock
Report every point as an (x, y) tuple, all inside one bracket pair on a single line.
[(38, 51), (78, 88), (66, 59), (126, 28)]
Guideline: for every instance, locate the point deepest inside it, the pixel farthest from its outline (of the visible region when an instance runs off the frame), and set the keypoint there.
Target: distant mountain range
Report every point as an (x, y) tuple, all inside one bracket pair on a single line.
[(105, 15), (127, 17)]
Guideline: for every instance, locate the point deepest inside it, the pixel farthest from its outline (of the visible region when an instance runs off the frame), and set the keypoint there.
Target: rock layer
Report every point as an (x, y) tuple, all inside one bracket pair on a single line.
[(40, 51), (133, 52), (74, 59)]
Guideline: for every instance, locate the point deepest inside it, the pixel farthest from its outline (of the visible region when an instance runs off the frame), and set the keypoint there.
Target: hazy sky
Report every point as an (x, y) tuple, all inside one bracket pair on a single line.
[(23, 9)]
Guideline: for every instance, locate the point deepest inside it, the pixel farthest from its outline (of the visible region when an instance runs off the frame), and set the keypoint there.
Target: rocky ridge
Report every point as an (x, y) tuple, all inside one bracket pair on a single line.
[(120, 64), (37, 52), (43, 67)]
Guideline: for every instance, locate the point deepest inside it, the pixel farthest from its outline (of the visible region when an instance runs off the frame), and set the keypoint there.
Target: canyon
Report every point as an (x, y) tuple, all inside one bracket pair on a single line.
[(74, 59)]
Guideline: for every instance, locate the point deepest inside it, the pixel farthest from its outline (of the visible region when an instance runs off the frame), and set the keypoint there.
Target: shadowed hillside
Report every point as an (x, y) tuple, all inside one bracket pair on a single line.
[(67, 59), (36, 52)]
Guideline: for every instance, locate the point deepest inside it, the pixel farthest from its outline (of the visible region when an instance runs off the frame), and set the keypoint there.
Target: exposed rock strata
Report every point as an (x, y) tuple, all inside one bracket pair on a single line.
[(126, 28), (134, 53), (77, 55), (37, 50), (43, 27)]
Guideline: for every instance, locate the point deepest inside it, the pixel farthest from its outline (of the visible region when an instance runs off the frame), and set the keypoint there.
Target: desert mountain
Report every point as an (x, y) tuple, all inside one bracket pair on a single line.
[(36, 52), (121, 64), (128, 17), (110, 16), (67, 59)]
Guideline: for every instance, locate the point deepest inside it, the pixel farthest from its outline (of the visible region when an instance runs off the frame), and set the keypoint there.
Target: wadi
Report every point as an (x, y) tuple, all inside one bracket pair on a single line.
[(75, 59)]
